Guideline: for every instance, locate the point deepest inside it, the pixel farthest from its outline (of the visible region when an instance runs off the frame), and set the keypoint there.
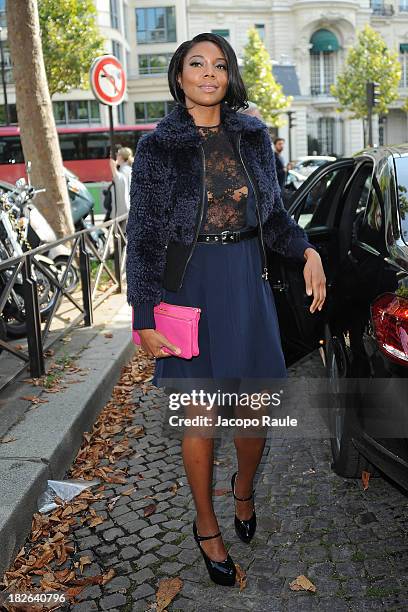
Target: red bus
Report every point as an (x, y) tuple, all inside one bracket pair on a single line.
[(85, 150)]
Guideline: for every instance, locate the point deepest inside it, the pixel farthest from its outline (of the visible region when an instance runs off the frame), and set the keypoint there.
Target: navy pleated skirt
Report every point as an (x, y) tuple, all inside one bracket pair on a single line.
[(239, 336)]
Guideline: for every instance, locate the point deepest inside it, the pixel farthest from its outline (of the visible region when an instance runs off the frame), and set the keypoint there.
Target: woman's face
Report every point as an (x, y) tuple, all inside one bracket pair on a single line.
[(204, 78)]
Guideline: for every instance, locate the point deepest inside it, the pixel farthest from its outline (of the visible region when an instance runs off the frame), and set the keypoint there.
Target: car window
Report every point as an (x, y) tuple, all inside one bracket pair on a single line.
[(314, 208), (368, 224), (401, 164)]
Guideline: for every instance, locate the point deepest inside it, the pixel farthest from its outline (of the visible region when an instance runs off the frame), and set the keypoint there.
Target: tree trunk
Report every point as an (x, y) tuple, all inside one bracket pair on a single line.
[(39, 136)]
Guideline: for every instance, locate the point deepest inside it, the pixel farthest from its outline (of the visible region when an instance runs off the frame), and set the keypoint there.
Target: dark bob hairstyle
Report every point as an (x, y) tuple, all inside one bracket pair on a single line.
[(236, 95)]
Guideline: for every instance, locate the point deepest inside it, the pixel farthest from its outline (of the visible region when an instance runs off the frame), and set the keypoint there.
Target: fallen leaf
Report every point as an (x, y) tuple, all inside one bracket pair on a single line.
[(365, 478), (240, 577), (99, 579), (7, 440), (74, 591), (112, 502), (149, 510), (167, 591), (301, 583), (129, 491), (84, 561), (136, 431), (98, 520)]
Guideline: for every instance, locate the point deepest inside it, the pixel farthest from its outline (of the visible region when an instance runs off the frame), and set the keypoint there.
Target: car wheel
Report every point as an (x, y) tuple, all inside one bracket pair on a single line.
[(347, 460)]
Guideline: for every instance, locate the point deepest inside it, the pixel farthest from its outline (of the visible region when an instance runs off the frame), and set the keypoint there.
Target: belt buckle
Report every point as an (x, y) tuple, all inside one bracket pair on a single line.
[(224, 236)]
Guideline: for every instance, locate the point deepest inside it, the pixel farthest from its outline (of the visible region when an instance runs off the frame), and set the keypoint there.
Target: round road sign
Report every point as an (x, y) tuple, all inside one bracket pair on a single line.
[(108, 80)]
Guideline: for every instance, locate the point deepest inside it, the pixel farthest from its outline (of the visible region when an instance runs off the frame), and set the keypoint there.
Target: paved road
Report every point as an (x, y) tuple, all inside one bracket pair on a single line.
[(350, 543)]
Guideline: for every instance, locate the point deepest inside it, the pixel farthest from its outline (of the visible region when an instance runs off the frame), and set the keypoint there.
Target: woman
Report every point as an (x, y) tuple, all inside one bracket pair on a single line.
[(205, 202), (121, 174)]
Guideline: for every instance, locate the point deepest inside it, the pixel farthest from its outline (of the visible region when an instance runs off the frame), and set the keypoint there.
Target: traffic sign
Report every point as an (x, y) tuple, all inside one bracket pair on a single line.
[(108, 80)]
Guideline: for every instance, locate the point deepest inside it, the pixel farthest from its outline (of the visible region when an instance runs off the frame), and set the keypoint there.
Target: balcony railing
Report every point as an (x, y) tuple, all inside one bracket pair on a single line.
[(320, 90), (382, 10)]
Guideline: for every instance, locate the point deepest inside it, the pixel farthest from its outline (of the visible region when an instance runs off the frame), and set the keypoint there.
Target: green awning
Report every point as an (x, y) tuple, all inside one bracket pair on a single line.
[(404, 47), (324, 40)]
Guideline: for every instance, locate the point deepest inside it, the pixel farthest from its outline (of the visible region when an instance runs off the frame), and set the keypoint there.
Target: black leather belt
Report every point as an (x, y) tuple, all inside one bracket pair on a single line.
[(228, 237)]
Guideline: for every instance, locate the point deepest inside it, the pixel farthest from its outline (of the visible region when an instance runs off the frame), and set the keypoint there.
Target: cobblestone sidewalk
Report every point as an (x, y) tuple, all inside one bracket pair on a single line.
[(350, 543)]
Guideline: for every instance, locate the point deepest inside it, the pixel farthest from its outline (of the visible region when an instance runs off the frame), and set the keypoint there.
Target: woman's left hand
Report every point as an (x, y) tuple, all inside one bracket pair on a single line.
[(315, 279)]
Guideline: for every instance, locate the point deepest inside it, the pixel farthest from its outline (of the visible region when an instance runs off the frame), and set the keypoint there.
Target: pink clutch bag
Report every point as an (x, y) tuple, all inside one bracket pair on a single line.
[(180, 326)]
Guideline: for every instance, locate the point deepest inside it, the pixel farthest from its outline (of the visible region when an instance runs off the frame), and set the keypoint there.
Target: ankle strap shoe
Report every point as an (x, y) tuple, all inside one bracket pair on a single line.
[(220, 572), (245, 529)]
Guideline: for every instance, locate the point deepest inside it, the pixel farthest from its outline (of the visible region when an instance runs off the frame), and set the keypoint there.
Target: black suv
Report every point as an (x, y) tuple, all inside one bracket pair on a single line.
[(355, 211)]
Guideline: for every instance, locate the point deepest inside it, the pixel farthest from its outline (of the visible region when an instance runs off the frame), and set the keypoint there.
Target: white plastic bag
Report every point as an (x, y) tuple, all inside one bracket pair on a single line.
[(65, 489)]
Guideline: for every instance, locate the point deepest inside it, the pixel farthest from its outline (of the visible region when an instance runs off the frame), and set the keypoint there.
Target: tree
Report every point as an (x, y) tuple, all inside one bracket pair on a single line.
[(39, 137), (260, 82), (368, 60), (70, 40)]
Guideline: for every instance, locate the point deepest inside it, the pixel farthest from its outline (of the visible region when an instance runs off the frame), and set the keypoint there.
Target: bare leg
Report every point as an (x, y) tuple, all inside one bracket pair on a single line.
[(198, 458), (249, 454)]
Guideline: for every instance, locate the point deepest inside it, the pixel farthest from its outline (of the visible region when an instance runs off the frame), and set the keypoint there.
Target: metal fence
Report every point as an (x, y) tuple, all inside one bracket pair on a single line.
[(39, 338)]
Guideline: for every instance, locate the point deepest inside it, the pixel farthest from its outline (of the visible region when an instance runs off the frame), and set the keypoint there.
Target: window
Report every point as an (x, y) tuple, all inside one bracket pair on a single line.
[(97, 146), (368, 221), (322, 72), (122, 113), (77, 111), (152, 111), (401, 166), (117, 50), (404, 65), (322, 61), (325, 128), (11, 151), (156, 25), (59, 112), (260, 28), (320, 199), (126, 21), (114, 14), (3, 17), (403, 6), (128, 63), (12, 113), (8, 72), (224, 33), (155, 63)]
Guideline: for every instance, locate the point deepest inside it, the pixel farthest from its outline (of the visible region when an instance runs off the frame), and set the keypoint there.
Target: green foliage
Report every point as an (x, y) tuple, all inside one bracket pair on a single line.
[(260, 82), (70, 41), (368, 60)]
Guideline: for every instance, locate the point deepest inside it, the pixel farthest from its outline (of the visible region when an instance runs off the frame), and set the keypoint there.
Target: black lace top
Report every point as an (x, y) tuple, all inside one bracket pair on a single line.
[(226, 184)]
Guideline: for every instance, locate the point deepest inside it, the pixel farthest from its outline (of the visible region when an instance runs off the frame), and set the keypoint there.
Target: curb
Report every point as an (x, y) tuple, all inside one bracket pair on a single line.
[(48, 436)]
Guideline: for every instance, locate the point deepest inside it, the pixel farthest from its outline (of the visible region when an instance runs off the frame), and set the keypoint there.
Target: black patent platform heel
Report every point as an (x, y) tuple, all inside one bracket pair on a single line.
[(221, 572), (245, 529)]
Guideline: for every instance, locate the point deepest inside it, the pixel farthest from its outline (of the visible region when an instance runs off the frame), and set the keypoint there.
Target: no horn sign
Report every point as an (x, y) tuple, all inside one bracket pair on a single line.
[(108, 80)]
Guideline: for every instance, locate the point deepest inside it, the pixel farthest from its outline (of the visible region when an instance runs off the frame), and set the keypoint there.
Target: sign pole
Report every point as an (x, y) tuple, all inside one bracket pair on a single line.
[(111, 133)]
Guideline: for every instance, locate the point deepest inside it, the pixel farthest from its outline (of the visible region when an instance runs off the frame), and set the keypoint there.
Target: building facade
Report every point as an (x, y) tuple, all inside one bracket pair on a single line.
[(307, 40), (77, 107)]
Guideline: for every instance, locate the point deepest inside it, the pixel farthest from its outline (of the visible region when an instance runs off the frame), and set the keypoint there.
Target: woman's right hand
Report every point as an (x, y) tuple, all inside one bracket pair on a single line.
[(152, 342)]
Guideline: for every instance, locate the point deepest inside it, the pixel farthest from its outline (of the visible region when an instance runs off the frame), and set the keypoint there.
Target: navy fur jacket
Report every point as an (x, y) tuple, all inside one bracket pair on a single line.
[(165, 195)]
